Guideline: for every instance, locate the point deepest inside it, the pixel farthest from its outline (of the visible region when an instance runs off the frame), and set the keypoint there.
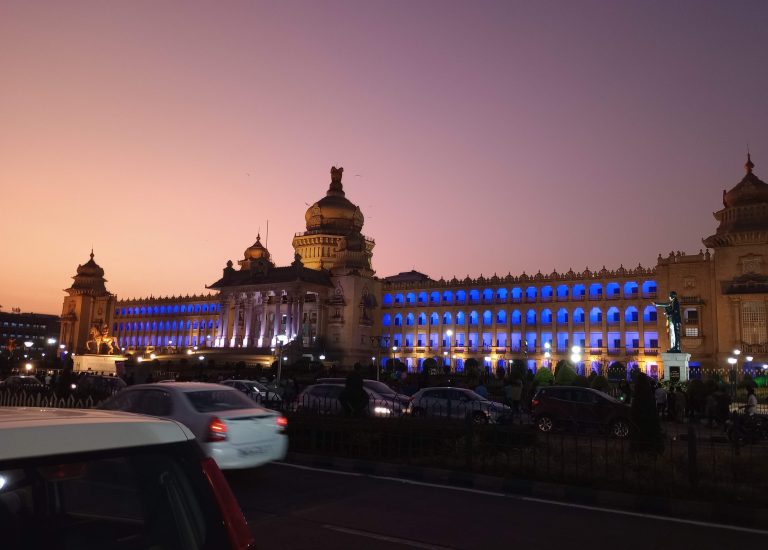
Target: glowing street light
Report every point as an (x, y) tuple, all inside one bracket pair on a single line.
[(322, 357), (731, 360), (28, 366), (51, 340)]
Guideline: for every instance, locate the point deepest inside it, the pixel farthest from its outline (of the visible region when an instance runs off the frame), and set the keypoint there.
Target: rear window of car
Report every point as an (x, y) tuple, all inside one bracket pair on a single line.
[(206, 401), (153, 497)]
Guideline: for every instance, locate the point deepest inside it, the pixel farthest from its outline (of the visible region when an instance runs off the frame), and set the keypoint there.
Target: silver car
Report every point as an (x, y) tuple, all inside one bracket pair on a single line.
[(257, 391), (324, 399), (458, 403), (231, 428)]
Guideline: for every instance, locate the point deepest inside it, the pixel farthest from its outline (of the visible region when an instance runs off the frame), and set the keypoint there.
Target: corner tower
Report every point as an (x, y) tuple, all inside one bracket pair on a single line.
[(333, 240)]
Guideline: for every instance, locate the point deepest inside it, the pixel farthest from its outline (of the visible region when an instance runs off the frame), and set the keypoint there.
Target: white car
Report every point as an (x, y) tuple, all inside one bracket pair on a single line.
[(230, 427), (91, 479)]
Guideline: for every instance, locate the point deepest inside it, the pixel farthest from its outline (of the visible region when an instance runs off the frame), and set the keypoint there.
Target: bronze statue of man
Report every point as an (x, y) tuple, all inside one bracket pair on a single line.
[(674, 321)]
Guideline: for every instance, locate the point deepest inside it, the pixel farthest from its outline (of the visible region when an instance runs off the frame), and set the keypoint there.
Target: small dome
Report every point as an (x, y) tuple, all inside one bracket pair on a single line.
[(256, 251), (750, 190), (90, 268), (334, 213)]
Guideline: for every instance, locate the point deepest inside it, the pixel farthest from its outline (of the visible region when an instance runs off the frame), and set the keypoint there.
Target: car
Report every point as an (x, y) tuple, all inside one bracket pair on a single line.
[(230, 427), (257, 391), (579, 409), (94, 479), (23, 383), (324, 399), (458, 403), (97, 387), (383, 391)]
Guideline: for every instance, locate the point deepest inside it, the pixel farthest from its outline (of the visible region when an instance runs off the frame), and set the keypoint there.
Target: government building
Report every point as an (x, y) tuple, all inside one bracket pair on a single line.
[(329, 305)]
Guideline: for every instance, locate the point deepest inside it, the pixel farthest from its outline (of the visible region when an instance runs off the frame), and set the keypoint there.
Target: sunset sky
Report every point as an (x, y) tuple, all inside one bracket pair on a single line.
[(477, 137)]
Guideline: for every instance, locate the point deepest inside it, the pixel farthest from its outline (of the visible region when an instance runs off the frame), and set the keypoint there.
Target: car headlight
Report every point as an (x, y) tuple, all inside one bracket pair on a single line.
[(382, 411)]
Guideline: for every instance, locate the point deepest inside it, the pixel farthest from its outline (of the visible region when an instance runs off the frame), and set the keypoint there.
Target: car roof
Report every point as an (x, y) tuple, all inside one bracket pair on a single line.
[(184, 386), (31, 432)]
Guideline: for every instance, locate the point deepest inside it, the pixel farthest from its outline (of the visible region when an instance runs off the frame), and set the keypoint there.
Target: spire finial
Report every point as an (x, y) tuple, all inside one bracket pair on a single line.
[(749, 165), (91, 252)]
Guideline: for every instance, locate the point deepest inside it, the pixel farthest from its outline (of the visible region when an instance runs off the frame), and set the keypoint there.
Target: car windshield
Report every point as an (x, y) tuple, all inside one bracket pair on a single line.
[(218, 400), (255, 386)]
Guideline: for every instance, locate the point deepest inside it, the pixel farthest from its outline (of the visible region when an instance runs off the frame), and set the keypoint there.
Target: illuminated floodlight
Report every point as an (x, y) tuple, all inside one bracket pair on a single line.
[(547, 345), (547, 354), (575, 349), (765, 367), (737, 352), (152, 355), (28, 344), (139, 359), (62, 346), (201, 358), (749, 358), (575, 358), (189, 352), (449, 333), (731, 360), (195, 348), (322, 358), (28, 366), (51, 340), (445, 353), (487, 357), (394, 348), (285, 358), (373, 358)]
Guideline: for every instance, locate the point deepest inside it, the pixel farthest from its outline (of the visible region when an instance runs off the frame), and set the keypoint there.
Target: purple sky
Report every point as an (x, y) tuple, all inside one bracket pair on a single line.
[(487, 136)]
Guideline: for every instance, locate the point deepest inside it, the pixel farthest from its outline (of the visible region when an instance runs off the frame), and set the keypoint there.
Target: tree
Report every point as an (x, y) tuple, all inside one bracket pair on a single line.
[(645, 433), (429, 365), (472, 367), (565, 374), (581, 381), (543, 377)]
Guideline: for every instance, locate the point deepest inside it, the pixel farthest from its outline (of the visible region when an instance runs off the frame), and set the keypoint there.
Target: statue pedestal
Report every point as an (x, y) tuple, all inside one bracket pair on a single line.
[(676, 366), (97, 364)]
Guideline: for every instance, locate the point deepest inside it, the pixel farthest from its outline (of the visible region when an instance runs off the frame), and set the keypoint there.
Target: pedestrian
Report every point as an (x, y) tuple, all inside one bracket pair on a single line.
[(354, 398), (47, 378), (751, 407)]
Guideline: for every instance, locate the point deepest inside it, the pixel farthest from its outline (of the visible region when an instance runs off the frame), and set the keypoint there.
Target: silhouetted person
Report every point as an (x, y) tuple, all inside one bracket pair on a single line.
[(353, 398)]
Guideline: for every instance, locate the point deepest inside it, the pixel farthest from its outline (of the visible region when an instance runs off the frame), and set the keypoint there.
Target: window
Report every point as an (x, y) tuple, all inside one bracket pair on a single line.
[(692, 332)]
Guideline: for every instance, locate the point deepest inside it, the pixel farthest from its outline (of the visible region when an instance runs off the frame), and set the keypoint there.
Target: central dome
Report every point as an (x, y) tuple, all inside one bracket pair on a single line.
[(334, 213), (750, 190)]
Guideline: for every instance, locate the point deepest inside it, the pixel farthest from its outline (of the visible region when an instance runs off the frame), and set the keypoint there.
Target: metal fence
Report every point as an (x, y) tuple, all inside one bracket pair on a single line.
[(44, 400)]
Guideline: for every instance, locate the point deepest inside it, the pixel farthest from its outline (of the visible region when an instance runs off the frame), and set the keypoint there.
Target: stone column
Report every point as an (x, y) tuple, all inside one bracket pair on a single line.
[(289, 318), (300, 323), (278, 314), (249, 307), (236, 323), (263, 317)]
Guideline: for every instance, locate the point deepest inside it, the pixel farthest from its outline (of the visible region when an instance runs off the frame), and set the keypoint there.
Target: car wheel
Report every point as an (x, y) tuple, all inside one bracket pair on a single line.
[(545, 424), (620, 428), (480, 418)]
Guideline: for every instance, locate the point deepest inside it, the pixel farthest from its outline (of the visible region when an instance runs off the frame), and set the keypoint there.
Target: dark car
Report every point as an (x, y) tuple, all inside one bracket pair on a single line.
[(98, 387), (23, 384), (380, 388), (579, 409)]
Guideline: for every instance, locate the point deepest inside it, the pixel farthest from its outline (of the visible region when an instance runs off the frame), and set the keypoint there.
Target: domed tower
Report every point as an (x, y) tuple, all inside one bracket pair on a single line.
[(88, 305), (255, 255), (333, 239)]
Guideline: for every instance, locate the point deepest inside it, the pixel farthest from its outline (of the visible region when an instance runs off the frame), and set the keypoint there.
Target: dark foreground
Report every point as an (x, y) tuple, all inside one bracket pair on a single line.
[(295, 508)]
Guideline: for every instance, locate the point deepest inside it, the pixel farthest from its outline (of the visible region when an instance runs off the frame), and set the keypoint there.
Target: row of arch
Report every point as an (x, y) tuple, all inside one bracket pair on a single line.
[(630, 289), (613, 315), (162, 341), (175, 309), (141, 326)]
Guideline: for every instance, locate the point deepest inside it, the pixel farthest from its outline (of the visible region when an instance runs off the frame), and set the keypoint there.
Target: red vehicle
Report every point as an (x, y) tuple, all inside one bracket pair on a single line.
[(579, 409)]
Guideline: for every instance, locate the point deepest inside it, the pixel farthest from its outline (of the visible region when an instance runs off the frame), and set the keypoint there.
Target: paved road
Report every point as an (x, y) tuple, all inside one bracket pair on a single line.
[(290, 507)]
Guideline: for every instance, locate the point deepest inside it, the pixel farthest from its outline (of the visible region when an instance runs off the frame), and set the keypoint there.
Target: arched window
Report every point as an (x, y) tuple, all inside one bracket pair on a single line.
[(630, 289), (650, 315), (434, 298), (578, 316), (530, 294), (546, 317), (189, 325), (630, 315), (501, 317), (612, 290), (562, 316), (613, 315), (562, 292), (175, 308), (460, 320), (474, 296), (409, 320), (386, 300), (516, 317), (448, 297), (487, 295), (434, 319), (517, 294), (649, 289), (595, 291), (487, 317), (579, 291), (473, 318), (546, 292), (130, 311), (197, 308), (501, 295), (205, 308), (195, 325), (398, 320), (410, 298), (386, 320), (183, 308), (461, 296), (422, 319), (162, 310), (422, 298), (530, 317), (447, 318)]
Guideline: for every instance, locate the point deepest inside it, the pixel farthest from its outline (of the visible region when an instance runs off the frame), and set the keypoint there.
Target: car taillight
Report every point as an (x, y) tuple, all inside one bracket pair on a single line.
[(282, 423), (234, 522), (535, 403), (217, 430)]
